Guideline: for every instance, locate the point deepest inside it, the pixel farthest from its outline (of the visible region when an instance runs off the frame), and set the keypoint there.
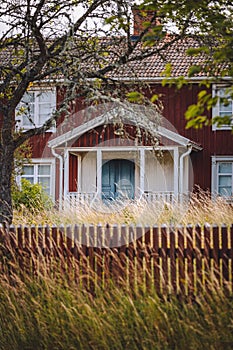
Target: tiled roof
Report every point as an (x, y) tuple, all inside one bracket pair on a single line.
[(169, 50), (175, 54)]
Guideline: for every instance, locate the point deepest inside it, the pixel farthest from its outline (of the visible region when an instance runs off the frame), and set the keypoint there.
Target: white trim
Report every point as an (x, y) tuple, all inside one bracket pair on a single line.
[(142, 170), (181, 184), (116, 148), (99, 171), (66, 173), (159, 79), (215, 109), (214, 173), (44, 161), (176, 171), (79, 174), (141, 78), (60, 158), (181, 140), (37, 90)]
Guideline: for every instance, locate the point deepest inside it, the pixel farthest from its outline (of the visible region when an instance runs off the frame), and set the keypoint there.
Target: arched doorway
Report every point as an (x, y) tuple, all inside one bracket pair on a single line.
[(118, 179)]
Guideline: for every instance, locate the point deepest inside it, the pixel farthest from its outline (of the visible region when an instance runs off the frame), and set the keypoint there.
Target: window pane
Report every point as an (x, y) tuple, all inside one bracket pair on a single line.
[(226, 109), (226, 104), (28, 117), (225, 181), (27, 108), (46, 106), (225, 168), (45, 96), (225, 114), (225, 191), (43, 169), (28, 97), (30, 179), (44, 113), (28, 170), (45, 183)]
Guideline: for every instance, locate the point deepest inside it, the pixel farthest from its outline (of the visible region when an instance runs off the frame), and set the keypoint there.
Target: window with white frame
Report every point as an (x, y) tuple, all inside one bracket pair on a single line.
[(35, 108), (41, 173), (222, 177), (223, 107)]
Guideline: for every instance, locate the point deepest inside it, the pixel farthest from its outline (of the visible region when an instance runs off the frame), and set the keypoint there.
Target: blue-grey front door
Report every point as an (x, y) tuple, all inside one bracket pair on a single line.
[(118, 180)]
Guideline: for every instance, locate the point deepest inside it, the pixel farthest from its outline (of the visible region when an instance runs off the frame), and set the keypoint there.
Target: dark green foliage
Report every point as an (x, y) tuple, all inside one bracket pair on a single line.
[(31, 196)]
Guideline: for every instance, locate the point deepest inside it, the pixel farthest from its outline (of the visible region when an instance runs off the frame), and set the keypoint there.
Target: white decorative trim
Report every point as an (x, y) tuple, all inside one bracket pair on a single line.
[(108, 118)]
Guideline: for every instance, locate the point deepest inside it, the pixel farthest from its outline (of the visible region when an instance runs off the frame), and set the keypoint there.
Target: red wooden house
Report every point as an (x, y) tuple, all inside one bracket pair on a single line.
[(92, 156)]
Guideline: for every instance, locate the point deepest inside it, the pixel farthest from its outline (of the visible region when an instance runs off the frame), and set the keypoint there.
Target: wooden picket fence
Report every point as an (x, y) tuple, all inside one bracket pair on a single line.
[(180, 260)]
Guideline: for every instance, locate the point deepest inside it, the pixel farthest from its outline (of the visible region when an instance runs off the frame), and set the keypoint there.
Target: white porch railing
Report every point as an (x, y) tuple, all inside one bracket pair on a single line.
[(76, 198), (168, 197)]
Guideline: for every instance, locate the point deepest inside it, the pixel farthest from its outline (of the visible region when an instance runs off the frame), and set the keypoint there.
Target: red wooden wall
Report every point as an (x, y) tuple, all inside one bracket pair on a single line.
[(175, 104)]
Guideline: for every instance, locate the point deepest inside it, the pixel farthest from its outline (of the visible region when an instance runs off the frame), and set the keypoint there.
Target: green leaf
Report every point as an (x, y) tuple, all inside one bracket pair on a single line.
[(198, 122), (193, 70), (193, 111), (154, 98), (135, 96), (201, 94), (167, 70), (192, 51)]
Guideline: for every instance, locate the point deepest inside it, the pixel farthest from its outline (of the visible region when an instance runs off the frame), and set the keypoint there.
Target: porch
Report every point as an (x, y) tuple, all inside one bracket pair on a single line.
[(74, 199), (97, 164), (93, 175)]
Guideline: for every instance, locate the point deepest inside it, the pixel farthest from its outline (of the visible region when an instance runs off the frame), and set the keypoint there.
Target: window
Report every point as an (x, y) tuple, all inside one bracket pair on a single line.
[(222, 177), (35, 108), (224, 106), (42, 173)]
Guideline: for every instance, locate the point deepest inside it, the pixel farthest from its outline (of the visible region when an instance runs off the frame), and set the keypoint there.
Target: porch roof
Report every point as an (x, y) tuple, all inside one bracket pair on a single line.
[(110, 117)]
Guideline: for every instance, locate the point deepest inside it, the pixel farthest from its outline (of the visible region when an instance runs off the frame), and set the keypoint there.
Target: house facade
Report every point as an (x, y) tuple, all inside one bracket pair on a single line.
[(117, 151)]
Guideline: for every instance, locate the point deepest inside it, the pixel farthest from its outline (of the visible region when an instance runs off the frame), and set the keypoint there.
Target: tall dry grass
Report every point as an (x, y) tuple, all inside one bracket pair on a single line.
[(199, 209)]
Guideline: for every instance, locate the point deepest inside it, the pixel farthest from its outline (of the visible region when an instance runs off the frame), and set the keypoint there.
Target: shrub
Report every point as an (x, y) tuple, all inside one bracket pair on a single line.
[(31, 197)]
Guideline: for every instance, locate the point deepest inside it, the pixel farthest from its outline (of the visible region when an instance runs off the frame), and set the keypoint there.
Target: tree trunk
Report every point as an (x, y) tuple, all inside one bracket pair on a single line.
[(6, 170)]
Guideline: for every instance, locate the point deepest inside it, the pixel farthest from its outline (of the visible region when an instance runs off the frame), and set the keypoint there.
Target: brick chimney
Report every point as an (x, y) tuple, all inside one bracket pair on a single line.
[(141, 16)]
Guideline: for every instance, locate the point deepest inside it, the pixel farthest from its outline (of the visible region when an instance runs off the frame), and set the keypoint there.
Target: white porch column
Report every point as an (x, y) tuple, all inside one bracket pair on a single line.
[(142, 170), (176, 171), (79, 177), (182, 157), (66, 173), (60, 158), (99, 172)]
